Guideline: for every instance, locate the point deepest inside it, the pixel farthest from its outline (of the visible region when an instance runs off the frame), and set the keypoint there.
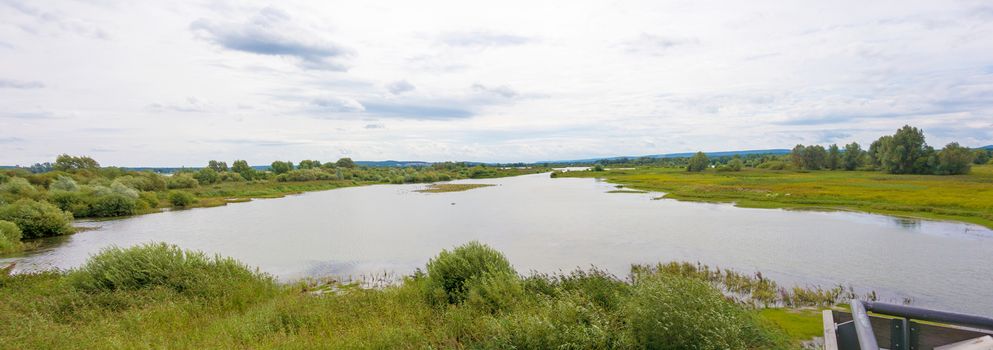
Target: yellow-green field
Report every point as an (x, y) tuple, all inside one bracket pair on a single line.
[(967, 198)]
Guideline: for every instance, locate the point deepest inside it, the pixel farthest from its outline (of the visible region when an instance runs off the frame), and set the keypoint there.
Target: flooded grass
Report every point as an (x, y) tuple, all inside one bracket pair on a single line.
[(441, 188)]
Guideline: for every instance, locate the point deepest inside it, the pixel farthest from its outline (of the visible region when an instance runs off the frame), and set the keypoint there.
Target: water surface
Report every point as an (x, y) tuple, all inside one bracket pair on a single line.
[(547, 225)]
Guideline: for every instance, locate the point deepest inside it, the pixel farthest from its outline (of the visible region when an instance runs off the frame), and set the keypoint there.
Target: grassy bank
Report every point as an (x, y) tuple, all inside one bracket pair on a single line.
[(441, 188), (470, 297), (967, 198)]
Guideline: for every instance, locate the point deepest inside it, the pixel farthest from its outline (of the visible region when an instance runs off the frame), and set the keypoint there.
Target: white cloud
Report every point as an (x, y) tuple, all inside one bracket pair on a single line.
[(509, 81)]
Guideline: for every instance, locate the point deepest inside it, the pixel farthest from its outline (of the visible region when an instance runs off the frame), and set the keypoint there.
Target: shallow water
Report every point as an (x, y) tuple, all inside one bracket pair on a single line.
[(548, 225)]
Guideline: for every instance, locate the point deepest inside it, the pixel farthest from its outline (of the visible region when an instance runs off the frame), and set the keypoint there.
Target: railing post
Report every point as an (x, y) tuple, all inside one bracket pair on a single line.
[(899, 334), (863, 327)]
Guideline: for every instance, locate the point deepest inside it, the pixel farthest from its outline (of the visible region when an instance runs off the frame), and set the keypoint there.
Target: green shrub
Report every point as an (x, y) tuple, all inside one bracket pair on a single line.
[(667, 312), (10, 237), (182, 180), (181, 198), (17, 188), (63, 183), (114, 204), (73, 202), (150, 198), (494, 292), (451, 271), (37, 219), (186, 272)]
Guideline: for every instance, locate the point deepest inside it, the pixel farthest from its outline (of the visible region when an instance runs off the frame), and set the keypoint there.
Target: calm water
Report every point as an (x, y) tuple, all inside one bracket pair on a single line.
[(549, 225)]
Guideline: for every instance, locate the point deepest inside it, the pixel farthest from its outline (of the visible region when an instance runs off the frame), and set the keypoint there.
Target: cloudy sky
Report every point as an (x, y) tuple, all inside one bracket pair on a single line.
[(170, 83)]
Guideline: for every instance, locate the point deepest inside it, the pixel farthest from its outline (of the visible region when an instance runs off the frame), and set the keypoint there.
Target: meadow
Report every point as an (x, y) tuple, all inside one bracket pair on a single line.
[(467, 297), (967, 198)]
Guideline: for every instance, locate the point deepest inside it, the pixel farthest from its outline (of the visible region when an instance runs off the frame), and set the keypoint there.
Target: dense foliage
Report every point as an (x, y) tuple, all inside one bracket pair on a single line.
[(159, 294), (904, 152), (37, 219), (10, 237)]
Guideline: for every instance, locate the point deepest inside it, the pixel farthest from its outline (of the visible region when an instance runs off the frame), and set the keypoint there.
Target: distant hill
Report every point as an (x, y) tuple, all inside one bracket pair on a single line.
[(679, 155), (990, 147)]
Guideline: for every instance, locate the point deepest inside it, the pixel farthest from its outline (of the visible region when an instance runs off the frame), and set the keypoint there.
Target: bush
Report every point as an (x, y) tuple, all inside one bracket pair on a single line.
[(773, 165), (17, 188), (10, 237), (452, 272), (150, 198), (152, 265), (113, 204), (305, 175), (63, 183), (181, 198), (37, 219), (207, 176), (182, 180), (667, 312)]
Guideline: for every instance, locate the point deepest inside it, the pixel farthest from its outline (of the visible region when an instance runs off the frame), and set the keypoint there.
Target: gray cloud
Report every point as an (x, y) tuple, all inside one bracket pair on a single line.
[(28, 115), (272, 32), (191, 105), (10, 139), (399, 87), (375, 126), (260, 142), (17, 84), (482, 38), (654, 45), (40, 18), (502, 90), (336, 105), (412, 111)]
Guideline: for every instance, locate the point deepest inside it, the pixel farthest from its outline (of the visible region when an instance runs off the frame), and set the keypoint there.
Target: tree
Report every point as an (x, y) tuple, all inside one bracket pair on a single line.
[(65, 162), (834, 157), (954, 159), (218, 166), (906, 152), (241, 167), (279, 167), (736, 164), (207, 176), (699, 162), (981, 156), (809, 157), (876, 150), (852, 158), (309, 164), (345, 163)]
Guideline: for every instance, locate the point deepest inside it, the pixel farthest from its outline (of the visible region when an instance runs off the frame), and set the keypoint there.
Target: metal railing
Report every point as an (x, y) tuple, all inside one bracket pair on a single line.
[(897, 327)]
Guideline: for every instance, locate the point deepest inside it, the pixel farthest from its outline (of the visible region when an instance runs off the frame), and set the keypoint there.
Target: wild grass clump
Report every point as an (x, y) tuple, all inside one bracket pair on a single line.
[(10, 237), (451, 274), (160, 265), (669, 312)]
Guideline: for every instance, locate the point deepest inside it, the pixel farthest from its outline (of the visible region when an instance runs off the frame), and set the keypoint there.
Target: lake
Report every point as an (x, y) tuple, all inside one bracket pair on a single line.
[(548, 225)]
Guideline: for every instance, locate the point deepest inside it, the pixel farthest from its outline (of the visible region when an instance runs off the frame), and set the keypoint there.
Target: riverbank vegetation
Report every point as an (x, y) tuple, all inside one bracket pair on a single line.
[(43, 200), (897, 175), (468, 297), (440, 188), (967, 198)]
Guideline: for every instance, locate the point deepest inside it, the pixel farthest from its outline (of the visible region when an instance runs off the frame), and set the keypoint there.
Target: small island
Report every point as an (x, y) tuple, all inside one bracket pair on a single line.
[(439, 188)]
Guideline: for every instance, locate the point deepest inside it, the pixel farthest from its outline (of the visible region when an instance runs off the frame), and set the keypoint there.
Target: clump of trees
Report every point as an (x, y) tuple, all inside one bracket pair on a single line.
[(699, 162), (904, 152)]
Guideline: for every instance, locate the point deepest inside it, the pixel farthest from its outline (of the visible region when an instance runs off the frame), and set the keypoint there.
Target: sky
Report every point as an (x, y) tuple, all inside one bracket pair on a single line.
[(178, 83)]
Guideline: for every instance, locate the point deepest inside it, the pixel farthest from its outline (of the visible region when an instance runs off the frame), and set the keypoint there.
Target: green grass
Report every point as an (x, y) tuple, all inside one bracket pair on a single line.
[(797, 323), (967, 198), (440, 188), (162, 297)]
